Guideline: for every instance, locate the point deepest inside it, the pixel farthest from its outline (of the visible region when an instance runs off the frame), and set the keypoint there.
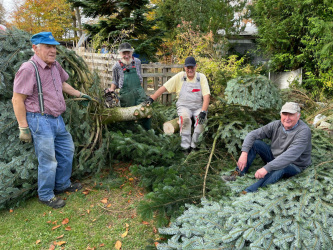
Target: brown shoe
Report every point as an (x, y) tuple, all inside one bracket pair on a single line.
[(231, 177), (243, 192)]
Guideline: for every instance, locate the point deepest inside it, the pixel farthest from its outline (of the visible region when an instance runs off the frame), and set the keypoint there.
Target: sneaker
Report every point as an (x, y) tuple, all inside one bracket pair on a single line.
[(54, 202), (72, 188), (231, 177)]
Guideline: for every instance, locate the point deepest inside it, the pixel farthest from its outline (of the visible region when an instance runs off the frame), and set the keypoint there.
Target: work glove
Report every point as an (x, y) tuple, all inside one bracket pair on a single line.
[(85, 103), (25, 135), (148, 102), (202, 117)]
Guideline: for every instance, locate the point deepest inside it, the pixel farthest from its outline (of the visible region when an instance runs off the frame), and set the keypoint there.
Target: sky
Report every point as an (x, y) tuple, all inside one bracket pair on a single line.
[(9, 5)]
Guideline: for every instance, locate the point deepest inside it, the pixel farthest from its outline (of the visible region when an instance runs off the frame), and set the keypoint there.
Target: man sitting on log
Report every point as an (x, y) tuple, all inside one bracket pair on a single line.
[(126, 75), (193, 94)]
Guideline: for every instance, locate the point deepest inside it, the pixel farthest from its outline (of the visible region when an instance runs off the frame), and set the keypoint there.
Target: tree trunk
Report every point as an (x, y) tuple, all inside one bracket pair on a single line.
[(78, 18), (118, 114), (171, 127)]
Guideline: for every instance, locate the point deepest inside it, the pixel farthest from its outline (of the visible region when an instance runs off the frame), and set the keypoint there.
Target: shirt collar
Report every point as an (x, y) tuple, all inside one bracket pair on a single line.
[(288, 130), (40, 61)]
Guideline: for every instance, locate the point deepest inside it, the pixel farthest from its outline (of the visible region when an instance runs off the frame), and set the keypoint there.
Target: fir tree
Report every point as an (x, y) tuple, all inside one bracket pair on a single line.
[(117, 16)]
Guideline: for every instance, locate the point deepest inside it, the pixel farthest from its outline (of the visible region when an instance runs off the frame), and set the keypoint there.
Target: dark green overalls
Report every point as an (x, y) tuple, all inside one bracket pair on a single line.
[(132, 93)]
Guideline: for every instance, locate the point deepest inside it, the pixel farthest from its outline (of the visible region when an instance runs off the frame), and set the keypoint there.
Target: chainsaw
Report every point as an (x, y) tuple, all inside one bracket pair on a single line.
[(111, 99)]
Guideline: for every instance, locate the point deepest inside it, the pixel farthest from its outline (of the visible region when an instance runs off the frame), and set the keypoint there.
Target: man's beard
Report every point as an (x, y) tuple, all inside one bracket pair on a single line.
[(126, 62)]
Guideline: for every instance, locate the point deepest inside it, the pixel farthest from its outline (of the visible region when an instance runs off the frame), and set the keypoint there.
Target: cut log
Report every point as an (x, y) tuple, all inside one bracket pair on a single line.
[(119, 114), (171, 127)]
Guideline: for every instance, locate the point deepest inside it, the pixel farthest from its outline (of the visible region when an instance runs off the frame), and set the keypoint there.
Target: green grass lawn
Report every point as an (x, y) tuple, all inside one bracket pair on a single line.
[(97, 218)]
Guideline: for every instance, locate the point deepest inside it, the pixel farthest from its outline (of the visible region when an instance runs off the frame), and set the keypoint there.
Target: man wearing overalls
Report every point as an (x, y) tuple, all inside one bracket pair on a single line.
[(126, 75), (193, 94)]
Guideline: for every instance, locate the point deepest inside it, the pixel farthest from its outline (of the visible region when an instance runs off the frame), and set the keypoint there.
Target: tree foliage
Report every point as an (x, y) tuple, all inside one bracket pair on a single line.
[(2, 14), (44, 15), (206, 15), (117, 16), (291, 214), (297, 34)]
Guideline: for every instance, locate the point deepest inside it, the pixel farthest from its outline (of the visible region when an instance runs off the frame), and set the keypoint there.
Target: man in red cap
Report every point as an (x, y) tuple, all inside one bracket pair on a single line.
[(38, 103)]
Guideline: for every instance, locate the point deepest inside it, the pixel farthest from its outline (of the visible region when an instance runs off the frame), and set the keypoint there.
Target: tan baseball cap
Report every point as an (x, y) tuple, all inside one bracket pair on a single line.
[(290, 107)]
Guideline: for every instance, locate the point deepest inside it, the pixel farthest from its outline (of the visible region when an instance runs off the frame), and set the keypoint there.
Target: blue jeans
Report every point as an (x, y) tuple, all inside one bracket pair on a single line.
[(54, 149), (264, 151)]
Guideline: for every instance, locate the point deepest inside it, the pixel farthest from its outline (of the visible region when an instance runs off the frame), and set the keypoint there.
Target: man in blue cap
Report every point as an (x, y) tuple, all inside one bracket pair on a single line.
[(193, 94), (38, 103)]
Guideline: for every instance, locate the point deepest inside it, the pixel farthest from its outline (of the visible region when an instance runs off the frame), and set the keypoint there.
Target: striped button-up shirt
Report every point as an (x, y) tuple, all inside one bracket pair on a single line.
[(52, 79)]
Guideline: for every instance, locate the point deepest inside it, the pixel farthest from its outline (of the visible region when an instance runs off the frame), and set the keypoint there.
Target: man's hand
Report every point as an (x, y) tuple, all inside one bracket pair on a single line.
[(260, 173), (148, 102), (25, 135), (85, 103), (202, 117), (242, 161)]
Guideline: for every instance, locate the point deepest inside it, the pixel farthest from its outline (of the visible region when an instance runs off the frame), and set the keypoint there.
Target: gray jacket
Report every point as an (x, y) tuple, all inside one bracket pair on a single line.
[(288, 147)]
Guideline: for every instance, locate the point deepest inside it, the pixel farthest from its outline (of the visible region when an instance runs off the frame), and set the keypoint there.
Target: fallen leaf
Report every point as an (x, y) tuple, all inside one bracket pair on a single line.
[(68, 228), (145, 223), (109, 205), (37, 242), (102, 245), (52, 247), (154, 230), (105, 200), (140, 194), (93, 220), (126, 225), (85, 192), (54, 222), (59, 243), (118, 245), (53, 228), (130, 179), (49, 221), (88, 211), (65, 221), (124, 234), (156, 243), (11, 210), (92, 205), (128, 201), (59, 237)]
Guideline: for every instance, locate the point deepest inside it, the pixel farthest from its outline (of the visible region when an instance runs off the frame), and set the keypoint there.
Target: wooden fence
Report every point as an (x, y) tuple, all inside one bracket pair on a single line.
[(154, 74)]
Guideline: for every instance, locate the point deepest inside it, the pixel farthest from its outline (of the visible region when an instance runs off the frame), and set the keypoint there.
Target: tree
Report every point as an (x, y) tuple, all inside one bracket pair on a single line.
[(2, 14), (118, 16), (297, 33), (206, 15), (44, 15)]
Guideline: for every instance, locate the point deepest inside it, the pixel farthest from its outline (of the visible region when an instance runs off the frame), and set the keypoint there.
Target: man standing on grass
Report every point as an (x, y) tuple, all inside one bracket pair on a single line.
[(38, 103), (288, 154)]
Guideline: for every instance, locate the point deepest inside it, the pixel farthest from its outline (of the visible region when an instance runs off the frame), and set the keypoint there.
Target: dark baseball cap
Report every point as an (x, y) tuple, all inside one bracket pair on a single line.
[(190, 61)]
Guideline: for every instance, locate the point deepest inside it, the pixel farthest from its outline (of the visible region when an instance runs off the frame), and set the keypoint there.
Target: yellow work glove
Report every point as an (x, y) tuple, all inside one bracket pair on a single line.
[(25, 135)]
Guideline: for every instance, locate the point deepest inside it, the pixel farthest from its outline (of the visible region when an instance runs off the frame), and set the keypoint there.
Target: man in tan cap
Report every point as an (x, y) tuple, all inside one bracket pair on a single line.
[(288, 154)]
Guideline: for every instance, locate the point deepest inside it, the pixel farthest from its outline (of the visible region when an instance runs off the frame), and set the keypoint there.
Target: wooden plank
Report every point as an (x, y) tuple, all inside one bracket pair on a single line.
[(170, 74)]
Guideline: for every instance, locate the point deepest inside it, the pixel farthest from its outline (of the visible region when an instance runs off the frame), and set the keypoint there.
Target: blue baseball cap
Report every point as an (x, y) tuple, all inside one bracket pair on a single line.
[(43, 37)]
